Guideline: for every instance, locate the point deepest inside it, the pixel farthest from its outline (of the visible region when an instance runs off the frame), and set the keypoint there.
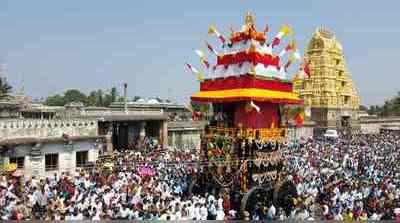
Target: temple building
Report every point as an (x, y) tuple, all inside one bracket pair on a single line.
[(329, 95)]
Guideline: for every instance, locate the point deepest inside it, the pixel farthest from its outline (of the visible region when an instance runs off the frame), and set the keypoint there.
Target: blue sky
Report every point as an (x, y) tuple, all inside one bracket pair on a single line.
[(52, 45)]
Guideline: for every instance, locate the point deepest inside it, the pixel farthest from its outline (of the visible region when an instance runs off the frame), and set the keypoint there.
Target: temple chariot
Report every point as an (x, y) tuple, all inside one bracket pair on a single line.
[(248, 92)]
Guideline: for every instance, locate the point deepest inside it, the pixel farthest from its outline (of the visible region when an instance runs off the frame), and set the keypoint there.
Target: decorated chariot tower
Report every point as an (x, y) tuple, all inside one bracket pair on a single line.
[(248, 89)]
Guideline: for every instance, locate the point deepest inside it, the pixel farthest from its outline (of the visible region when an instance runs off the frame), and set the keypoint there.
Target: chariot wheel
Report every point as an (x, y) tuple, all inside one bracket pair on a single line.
[(280, 194), (204, 183), (257, 197), (283, 195)]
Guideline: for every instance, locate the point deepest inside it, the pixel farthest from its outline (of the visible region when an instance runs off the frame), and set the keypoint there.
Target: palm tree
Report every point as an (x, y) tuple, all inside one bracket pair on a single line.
[(5, 88)]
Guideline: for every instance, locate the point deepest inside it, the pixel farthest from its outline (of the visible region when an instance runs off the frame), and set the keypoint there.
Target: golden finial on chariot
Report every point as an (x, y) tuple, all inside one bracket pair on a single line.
[(249, 20)]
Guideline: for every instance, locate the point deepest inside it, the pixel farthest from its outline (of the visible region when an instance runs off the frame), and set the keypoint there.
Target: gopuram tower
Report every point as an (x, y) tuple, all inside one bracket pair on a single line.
[(330, 98)]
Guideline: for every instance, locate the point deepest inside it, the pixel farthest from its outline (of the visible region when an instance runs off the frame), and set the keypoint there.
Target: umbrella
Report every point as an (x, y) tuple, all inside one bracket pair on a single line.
[(108, 165), (11, 167), (146, 171)]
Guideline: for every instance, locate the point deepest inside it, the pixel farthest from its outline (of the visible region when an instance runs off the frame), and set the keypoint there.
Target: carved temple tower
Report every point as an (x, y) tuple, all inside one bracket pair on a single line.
[(330, 98)]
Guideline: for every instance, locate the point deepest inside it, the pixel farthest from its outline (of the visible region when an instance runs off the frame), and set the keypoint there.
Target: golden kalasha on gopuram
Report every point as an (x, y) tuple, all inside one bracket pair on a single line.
[(248, 92)]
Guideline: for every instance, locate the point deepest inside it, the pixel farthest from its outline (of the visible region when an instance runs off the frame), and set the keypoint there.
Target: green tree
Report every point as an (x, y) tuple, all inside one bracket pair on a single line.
[(396, 105), (134, 98), (120, 99), (114, 94), (387, 108), (5, 88), (371, 110), (107, 100), (55, 100), (378, 109), (363, 108), (74, 95), (92, 99), (100, 98), (111, 97)]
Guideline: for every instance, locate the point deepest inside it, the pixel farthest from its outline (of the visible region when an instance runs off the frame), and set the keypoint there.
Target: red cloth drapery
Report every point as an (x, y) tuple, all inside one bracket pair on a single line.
[(249, 118), (244, 81), (252, 57)]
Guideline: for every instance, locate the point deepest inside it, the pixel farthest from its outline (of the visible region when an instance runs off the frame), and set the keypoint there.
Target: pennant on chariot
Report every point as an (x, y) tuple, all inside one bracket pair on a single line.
[(291, 59), (284, 31), (291, 46), (299, 119), (257, 108), (266, 29), (199, 75), (213, 31), (212, 50), (304, 70), (203, 58)]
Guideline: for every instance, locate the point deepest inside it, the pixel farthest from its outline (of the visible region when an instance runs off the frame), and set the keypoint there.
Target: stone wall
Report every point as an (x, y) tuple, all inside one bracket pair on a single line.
[(7, 113), (306, 131), (182, 135), (9, 109), (19, 128), (373, 125), (184, 139)]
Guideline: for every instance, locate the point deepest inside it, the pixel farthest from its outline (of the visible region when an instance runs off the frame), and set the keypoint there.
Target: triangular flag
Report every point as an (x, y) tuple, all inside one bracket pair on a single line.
[(255, 106), (200, 53), (284, 31), (199, 75), (290, 47), (202, 58), (266, 29), (306, 68), (296, 54), (211, 49), (291, 59), (212, 30)]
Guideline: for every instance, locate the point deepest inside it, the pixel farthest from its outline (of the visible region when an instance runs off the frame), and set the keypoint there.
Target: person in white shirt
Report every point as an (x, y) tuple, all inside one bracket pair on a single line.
[(212, 210), (196, 212), (68, 217), (271, 212), (190, 208), (124, 212), (203, 212), (220, 214), (96, 216), (79, 216), (374, 217)]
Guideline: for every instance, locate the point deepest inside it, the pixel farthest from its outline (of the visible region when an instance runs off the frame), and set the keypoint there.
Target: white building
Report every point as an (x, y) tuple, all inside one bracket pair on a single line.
[(44, 157), (43, 147)]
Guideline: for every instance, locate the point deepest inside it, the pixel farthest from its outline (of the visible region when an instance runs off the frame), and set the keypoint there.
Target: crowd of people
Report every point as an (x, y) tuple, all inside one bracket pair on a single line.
[(341, 180), (134, 186), (357, 179)]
